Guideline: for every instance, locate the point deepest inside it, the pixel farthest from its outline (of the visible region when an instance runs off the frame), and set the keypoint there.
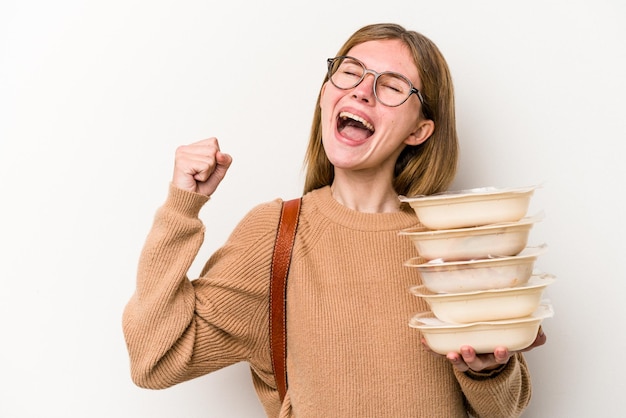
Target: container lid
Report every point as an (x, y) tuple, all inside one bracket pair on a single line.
[(421, 231), (427, 320), (526, 253), (469, 193), (535, 281)]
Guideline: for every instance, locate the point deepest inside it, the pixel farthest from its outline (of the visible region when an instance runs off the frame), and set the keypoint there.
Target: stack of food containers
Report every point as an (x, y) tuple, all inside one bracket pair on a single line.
[(477, 270)]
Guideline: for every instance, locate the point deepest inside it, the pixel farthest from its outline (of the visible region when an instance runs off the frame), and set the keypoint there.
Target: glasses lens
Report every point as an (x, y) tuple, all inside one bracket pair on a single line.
[(346, 73), (392, 89)]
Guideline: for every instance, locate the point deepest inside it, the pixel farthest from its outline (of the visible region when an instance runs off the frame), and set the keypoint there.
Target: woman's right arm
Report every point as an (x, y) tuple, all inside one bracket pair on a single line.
[(159, 319)]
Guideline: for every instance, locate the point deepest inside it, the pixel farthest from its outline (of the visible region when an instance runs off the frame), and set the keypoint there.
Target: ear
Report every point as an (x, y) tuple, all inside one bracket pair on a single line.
[(323, 89), (422, 132)]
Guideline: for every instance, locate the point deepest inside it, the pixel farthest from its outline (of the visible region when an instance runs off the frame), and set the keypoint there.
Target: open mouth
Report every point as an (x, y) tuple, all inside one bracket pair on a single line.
[(354, 127)]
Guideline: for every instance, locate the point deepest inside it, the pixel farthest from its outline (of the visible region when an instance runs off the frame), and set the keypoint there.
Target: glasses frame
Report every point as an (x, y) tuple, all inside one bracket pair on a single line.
[(366, 71)]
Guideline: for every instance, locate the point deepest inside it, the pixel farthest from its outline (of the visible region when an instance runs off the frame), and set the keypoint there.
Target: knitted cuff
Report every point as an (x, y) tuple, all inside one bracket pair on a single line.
[(184, 202), (487, 374)]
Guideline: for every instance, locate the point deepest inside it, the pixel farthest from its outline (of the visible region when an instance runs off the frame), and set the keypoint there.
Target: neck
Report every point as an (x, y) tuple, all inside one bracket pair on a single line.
[(365, 196)]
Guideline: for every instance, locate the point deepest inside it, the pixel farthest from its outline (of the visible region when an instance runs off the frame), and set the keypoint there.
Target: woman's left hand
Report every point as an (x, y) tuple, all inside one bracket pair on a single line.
[(467, 359)]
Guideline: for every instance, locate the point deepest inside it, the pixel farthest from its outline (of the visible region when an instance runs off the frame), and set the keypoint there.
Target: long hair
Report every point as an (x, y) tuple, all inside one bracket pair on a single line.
[(426, 168)]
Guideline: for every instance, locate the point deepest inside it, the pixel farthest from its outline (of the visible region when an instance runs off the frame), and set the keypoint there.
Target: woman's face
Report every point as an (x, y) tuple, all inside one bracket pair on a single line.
[(358, 132)]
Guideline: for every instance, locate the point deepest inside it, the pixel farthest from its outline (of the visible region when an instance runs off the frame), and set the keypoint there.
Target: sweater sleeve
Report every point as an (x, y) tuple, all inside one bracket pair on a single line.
[(177, 329), (505, 394)]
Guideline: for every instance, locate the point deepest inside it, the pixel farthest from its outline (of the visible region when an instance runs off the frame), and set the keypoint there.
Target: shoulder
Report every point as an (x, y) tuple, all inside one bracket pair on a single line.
[(261, 220)]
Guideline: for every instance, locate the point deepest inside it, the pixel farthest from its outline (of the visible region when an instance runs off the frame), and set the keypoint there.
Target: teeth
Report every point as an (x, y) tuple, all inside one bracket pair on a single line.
[(347, 115)]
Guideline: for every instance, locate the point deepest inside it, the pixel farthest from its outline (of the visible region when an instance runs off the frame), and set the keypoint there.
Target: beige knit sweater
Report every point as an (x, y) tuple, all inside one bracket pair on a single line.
[(350, 350)]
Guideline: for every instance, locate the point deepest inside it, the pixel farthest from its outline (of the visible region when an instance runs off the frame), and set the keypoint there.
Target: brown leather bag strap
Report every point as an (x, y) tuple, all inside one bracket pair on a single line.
[(281, 259)]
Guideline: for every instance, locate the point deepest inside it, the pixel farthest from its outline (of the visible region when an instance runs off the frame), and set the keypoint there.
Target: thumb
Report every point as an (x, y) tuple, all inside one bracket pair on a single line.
[(223, 161)]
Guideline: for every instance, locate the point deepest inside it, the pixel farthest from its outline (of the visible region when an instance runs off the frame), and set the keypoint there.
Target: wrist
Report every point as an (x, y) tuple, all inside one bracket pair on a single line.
[(486, 373)]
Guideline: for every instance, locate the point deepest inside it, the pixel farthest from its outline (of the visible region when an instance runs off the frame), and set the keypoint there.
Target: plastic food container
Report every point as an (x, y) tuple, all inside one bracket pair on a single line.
[(484, 337), (472, 207), (486, 305), (503, 239), (472, 275)]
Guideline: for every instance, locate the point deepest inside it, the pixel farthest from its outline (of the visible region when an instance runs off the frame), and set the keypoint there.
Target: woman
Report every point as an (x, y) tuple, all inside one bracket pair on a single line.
[(384, 125)]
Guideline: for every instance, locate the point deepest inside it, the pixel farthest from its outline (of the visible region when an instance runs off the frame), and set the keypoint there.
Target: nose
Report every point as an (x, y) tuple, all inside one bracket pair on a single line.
[(365, 89)]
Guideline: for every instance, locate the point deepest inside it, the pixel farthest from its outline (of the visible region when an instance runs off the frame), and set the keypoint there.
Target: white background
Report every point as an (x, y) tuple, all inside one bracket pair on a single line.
[(95, 97)]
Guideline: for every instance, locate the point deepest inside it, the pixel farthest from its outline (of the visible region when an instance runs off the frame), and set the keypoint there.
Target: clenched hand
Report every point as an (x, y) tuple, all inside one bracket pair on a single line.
[(200, 167)]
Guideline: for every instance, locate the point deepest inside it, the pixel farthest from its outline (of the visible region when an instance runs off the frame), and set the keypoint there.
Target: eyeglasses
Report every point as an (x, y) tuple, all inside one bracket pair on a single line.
[(391, 89)]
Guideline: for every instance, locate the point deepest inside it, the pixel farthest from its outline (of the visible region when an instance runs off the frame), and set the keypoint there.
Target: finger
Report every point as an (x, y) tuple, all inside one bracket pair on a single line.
[(457, 361), (204, 148), (474, 361), (207, 155), (485, 361), (202, 175), (468, 354), (454, 358), (197, 154), (199, 166), (426, 347), (501, 355), (539, 340), (218, 168), (223, 162), (210, 142)]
